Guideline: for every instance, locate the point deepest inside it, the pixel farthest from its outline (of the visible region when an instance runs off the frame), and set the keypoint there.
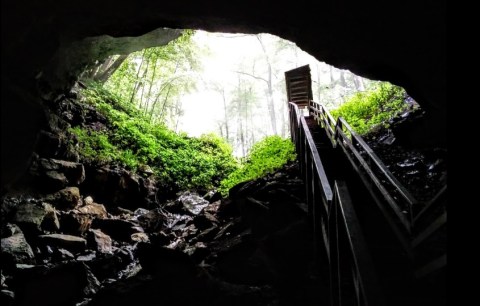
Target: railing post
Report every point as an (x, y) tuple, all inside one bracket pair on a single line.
[(333, 239)]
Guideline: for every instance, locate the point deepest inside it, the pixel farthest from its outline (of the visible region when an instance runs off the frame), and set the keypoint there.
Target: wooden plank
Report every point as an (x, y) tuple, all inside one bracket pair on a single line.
[(363, 263)]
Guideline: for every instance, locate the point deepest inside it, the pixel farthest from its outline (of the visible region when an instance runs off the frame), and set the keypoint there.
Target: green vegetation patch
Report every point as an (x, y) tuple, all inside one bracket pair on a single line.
[(366, 110), (266, 156), (132, 141)]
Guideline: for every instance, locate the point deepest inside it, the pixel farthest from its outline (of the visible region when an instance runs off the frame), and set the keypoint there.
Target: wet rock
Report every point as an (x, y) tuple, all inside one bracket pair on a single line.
[(48, 144), (212, 196), (208, 234), (205, 221), (256, 214), (65, 254), (94, 209), (140, 212), (72, 243), (198, 251), (145, 169), (213, 207), (192, 202), (152, 221), (54, 174), (36, 217), (15, 249), (87, 257), (140, 237), (3, 280), (233, 227), (247, 188), (55, 255), (174, 207), (62, 284), (161, 238), (65, 199), (74, 223), (165, 262), (227, 208), (117, 229), (122, 212), (115, 187), (99, 241), (109, 265)]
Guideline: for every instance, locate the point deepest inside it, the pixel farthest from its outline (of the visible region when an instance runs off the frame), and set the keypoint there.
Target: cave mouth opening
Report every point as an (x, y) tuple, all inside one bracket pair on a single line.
[(419, 67), (210, 70)]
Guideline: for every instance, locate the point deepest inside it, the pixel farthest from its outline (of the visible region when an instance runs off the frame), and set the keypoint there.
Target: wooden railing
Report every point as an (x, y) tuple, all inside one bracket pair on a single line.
[(352, 277), (412, 221)]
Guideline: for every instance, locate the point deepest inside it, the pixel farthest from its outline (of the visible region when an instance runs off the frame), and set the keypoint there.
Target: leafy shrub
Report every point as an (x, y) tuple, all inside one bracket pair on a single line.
[(365, 110), (177, 160), (266, 156)]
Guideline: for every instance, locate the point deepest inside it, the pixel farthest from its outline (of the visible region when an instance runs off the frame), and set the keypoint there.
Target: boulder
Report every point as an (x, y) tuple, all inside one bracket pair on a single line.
[(115, 187), (152, 221), (36, 217), (94, 209), (48, 144), (15, 249), (99, 241), (54, 174), (71, 243), (75, 223), (62, 284), (65, 199), (192, 202), (117, 229)]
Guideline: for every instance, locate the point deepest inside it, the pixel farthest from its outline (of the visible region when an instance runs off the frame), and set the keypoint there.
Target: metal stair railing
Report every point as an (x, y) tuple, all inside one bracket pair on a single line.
[(412, 221), (353, 280)]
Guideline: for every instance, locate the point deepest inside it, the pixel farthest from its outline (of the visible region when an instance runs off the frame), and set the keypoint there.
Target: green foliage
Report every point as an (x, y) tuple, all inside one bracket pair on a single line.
[(177, 160), (266, 156), (365, 110), (153, 79)]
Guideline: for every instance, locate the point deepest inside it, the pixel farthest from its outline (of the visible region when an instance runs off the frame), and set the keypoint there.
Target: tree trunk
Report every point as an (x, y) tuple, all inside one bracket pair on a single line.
[(343, 83), (102, 75), (270, 102), (319, 86), (149, 93), (135, 87), (225, 114)]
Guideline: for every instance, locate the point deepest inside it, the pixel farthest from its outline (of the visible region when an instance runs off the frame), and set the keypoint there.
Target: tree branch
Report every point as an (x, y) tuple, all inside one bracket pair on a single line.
[(251, 75)]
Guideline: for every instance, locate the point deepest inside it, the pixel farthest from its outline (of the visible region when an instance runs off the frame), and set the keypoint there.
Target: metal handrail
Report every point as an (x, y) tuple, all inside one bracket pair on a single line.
[(370, 164), (371, 168), (334, 220)]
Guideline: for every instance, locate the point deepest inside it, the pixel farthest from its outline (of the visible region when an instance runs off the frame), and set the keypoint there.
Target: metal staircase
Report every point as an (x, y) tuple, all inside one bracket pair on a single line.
[(382, 246)]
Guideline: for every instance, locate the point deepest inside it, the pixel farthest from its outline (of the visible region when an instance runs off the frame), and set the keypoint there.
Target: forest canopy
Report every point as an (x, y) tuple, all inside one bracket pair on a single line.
[(147, 98)]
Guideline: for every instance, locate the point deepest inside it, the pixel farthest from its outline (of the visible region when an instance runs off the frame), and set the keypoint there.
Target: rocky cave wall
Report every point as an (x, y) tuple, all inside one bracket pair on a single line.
[(400, 41)]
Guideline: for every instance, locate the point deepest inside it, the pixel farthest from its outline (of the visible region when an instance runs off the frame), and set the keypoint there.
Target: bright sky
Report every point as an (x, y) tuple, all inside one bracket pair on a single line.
[(204, 107)]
